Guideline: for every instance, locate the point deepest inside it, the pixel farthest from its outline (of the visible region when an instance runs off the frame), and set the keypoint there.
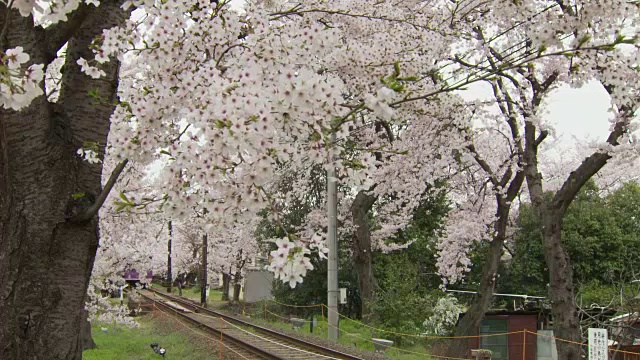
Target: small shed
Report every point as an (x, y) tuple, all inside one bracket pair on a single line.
[(501, 331), (626, 329)]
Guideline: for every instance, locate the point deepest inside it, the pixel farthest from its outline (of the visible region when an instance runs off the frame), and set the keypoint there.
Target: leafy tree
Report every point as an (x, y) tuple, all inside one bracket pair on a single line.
[(407, 281)]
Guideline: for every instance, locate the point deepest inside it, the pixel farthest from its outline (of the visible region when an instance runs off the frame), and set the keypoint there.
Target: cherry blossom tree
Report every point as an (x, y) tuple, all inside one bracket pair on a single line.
[(49, 196), (485, 189), (220, 100), (523, 89)]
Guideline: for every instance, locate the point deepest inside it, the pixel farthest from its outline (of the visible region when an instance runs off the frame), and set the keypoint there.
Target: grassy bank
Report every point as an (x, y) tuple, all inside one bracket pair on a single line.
[(180, 341), (352, 333)]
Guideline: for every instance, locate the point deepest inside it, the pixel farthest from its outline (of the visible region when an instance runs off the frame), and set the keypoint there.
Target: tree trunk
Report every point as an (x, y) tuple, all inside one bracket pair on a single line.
[(203, 282), (86, 339), (226, 281), (46, 254), (169, 274), (470, 322), (237, 286), (362, 254), (236, 292), (566, 320)]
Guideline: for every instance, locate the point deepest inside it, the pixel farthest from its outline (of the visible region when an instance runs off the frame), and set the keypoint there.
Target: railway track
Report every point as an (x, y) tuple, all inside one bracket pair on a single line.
[(243, 338)]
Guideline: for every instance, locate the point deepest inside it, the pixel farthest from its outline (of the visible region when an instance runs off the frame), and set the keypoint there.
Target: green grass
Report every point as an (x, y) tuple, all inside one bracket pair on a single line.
[(135, 343), (194, 294)]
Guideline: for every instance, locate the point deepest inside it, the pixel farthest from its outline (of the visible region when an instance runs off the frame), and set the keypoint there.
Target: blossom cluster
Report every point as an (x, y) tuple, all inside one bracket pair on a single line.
[(290, 262), (18, 86), (223, 104)]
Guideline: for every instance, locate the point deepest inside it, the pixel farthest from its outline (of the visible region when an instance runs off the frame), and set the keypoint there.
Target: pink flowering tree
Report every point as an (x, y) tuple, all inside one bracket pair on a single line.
[(50, 196), (607, 55), (220, 99), (483, 190)]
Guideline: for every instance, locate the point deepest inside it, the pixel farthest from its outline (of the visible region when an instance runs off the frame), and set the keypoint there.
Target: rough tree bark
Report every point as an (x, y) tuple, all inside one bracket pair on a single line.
[(48, 241), (86, 339), (566, 322), (361, 245), (237, 286), (226, 282), (361, 238)]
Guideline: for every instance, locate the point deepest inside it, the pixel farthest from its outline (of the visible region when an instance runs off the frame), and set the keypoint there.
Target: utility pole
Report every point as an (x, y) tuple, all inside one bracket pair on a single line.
[(169, 276), (205, 251), (332, 271)]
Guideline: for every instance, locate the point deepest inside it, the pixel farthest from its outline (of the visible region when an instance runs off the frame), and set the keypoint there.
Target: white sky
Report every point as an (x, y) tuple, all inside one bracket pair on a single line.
[(577, 115), (580, 114)]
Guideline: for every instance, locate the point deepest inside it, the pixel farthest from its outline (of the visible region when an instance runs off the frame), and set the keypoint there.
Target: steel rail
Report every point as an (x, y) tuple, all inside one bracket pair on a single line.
[(251, 348), (303, 344)]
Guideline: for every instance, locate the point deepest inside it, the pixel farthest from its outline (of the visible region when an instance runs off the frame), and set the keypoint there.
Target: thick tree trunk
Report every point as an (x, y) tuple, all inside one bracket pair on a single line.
[(46, 256), (566, 320), (237, 285), (469, 324), (362, 254), (86, 339), (203, 282), (236, 291), (226, 282)]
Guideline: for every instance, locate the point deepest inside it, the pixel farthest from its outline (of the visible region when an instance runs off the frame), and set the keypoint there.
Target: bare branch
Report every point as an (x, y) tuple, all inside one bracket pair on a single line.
[(543, 135), (590, 166), (93, 209), (484, 165)]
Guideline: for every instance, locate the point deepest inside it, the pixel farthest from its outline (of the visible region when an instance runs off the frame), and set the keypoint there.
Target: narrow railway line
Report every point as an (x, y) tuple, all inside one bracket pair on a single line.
[(241, 337)]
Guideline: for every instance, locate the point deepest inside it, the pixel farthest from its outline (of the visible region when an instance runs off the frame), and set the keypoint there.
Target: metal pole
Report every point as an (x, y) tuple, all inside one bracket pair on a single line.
[(332, 271), (205, 276), (169, 275)]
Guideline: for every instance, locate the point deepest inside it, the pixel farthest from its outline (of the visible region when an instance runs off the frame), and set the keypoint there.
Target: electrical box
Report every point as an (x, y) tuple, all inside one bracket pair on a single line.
[(343, 295)]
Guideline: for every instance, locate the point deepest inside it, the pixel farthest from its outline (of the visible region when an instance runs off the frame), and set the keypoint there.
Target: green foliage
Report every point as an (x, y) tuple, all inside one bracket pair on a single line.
[(314, 288), (407, 279), (398, 305), (312, 291)]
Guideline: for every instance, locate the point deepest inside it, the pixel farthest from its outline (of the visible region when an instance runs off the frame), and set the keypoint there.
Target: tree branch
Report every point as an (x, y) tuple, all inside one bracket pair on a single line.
[(93, 209), (484, 165), (57, 35), (514, 188), (590, 166), (543, 135), (387, 128)]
